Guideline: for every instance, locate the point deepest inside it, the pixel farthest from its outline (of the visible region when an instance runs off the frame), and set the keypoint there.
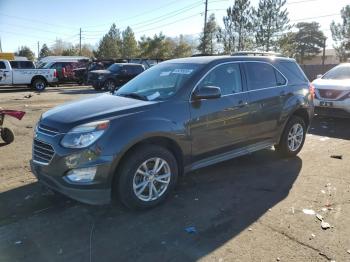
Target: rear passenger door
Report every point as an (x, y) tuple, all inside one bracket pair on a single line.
[(266, 89)]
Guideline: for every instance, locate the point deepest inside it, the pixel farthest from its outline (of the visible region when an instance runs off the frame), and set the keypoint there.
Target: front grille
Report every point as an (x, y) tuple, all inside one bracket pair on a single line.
[(47, 130), (42, 152), (329, 93)]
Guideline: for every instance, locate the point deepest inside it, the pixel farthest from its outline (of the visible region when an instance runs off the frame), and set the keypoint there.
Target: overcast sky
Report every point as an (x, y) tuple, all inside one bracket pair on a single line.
[(30, 21)]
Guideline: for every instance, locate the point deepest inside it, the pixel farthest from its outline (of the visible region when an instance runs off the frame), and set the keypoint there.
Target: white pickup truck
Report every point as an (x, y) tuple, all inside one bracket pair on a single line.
[(37, 79)]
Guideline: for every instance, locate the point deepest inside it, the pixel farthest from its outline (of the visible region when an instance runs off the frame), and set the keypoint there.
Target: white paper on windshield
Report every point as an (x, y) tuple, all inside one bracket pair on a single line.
[(153, 96), (166, 73), (183, 71)]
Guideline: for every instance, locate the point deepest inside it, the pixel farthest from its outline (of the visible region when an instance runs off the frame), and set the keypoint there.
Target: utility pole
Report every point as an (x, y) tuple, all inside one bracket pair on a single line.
[(0, 46), (38, 49), (80, 42), (324, 51), (205, 23)]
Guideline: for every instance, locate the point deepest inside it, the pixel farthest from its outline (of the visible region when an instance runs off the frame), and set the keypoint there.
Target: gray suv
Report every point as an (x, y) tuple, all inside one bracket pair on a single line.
[(178, 116)]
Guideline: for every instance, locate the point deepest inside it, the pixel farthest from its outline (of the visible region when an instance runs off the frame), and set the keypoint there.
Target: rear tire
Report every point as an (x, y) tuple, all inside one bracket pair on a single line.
[(293, 137), (7, 135), (140, 186), (39, 84)]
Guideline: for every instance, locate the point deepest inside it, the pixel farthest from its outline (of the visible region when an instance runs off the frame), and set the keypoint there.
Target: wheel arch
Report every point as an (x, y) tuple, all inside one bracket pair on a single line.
[(38, 77), (163, 141)]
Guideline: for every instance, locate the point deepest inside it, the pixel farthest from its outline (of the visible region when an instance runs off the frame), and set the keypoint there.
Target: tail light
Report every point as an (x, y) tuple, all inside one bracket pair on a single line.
[(312, 90), (64, 72), (55, 73)]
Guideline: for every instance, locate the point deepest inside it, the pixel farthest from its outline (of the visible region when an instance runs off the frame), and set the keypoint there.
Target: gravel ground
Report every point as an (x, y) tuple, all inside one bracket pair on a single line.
[(248, 209)]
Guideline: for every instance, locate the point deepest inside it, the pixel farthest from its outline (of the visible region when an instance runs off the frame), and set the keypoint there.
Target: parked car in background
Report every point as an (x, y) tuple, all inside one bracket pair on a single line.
[(332, 91), (114, 76), (65, 69), (37, 79), (22, 64), (177, 116)]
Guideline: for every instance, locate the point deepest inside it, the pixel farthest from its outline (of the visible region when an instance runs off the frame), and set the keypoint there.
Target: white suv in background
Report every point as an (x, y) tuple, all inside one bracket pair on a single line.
[(332, 92)]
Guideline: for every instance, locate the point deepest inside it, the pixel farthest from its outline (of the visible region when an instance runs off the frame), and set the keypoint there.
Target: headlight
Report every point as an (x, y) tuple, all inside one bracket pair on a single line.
[(84, 135), (100, 77)]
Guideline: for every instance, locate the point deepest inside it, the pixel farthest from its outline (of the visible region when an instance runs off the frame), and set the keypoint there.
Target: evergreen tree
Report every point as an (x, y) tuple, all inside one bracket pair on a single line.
[(270, 20), (26, 52), (182, 48), (207, 42), (110, 45), (237, 27), (44, 51), (129, 47), (341, 34)]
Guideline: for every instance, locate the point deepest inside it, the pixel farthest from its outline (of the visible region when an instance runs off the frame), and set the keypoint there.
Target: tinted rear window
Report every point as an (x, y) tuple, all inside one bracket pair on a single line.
[(260, 75), (292, 71), (2, 65)]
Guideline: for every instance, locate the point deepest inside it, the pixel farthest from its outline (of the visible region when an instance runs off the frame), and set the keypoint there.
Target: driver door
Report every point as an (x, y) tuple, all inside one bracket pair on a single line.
[(220, 125)]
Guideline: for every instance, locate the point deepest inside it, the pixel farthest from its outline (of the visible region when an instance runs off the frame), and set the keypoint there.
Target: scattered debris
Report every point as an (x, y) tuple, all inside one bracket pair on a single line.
[(250, 229), (28, 96), (337, 157), (191, 230), (309, 211), (348, 251), (278, 259), (324, 138), (324, 209), (29, 127), (18, 242), (292, 210), (319, 217), (323, 192), (312, 236), (325, 225)]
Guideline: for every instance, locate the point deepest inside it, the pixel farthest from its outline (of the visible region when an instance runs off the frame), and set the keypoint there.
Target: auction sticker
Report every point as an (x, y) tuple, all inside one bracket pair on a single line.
[(183, 71)]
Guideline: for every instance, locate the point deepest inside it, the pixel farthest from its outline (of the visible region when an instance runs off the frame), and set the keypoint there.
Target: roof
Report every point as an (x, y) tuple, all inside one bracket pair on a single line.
[(209, 59)]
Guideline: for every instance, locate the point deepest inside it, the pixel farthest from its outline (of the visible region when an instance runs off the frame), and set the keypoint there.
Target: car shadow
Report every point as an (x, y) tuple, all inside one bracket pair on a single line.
[(330, 127), (219, 202)]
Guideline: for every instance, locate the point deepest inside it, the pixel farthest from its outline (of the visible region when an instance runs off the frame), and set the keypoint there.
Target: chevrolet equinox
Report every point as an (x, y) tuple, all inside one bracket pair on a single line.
[(178, 116)]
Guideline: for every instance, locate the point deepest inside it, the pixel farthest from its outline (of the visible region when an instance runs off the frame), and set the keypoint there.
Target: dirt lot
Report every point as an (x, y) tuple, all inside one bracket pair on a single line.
[(246, 209)]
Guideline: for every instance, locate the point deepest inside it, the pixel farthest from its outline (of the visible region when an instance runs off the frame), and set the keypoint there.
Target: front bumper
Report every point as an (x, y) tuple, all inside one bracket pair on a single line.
[(339, 108), (90, 195), (52, 171)]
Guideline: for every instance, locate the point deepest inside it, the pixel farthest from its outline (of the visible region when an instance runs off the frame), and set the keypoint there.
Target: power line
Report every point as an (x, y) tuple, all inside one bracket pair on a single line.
[(34, 28), (35, 21), (138, 15)]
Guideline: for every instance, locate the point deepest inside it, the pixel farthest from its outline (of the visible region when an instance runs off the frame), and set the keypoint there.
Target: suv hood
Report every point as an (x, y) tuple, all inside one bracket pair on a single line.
[(332, 84), (67, 116)]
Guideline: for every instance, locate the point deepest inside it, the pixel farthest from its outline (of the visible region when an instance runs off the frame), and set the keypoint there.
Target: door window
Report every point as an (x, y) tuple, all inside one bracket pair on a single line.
[(262, 75), (2, 65), (227, 77)]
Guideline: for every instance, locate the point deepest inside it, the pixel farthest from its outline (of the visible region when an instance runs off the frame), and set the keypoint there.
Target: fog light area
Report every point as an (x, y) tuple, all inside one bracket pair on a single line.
[(82, 175)]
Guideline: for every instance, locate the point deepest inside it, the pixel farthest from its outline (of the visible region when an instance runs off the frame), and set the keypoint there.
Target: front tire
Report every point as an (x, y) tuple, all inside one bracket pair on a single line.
[(146, 177), (39, 84), (293, 137), (109, 85), (7, 135)]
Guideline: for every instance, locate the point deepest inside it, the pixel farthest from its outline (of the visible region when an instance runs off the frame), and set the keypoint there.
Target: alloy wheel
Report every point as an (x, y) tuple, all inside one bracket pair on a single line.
[(151, 179)]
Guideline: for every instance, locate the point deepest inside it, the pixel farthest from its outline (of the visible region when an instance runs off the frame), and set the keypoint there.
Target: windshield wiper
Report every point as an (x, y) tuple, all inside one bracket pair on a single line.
[(134, 95)]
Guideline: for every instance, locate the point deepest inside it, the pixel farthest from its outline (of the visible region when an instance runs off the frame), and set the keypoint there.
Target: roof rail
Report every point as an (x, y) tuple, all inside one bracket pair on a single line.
[(256, 53)]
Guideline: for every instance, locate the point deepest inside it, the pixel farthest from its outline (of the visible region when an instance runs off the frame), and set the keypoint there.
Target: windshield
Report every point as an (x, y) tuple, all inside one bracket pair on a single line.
[(159, 82), (114, 68), (338, 73)]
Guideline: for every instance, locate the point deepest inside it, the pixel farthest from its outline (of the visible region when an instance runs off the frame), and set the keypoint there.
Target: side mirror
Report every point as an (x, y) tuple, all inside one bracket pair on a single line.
[(319, 75), (207, 92)]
